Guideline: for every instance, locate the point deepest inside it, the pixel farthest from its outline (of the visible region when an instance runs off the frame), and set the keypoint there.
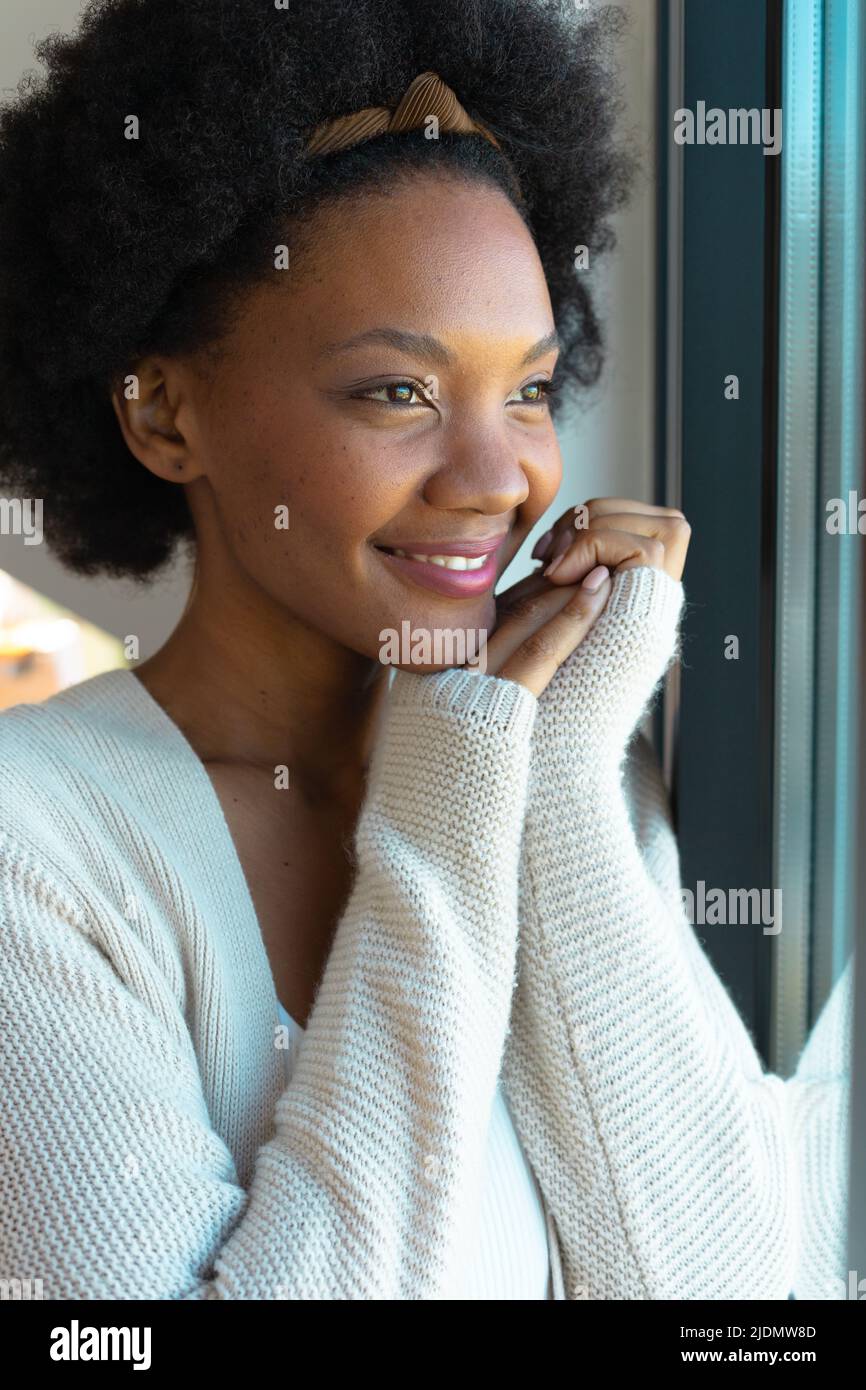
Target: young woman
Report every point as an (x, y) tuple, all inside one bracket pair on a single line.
[(320, 979)]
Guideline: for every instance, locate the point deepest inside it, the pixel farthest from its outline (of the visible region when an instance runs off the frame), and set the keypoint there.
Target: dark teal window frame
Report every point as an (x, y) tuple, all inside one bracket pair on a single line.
[(716, 458)]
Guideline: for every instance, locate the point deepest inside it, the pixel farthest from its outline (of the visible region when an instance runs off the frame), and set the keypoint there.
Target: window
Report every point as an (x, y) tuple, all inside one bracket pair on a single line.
[(760, 390)]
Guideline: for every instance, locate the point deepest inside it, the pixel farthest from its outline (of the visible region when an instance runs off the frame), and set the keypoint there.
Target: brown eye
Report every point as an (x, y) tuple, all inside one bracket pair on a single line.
[(400, 391), (396, 393), (539, 391)]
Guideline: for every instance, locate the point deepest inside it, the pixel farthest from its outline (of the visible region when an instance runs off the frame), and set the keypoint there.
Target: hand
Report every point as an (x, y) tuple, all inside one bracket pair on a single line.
[(616, 532), (600, 687), (547, 615), (539, 626)]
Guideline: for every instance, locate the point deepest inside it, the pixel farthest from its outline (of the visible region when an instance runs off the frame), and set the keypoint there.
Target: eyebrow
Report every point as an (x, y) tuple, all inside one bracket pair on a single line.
[(424, 345)]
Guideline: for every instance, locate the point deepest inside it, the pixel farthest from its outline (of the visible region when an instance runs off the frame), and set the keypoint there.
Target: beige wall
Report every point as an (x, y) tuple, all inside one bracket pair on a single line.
[(608, 445)]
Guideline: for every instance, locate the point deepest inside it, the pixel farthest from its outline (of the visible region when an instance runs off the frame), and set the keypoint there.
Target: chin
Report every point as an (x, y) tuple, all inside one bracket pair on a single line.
[(427, 641)]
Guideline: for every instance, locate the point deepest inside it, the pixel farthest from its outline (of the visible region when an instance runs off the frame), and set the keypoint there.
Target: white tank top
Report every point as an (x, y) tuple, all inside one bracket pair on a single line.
[(507, 1255)]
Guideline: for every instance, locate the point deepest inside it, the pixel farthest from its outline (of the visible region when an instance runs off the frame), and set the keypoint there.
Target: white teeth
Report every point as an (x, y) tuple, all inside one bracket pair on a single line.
[(449, 562)]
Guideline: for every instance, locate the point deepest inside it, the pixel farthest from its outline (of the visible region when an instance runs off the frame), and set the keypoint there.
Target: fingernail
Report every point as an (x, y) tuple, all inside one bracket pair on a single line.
[(595, 579), (553, 564), (541, 545)]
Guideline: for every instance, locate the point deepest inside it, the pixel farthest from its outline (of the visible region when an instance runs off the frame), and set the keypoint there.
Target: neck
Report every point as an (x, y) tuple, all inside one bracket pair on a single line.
[(248, 684)]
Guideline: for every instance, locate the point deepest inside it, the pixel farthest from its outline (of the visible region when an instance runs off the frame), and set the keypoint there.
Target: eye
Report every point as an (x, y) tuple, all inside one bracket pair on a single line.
[(540, 390), (397, 393)]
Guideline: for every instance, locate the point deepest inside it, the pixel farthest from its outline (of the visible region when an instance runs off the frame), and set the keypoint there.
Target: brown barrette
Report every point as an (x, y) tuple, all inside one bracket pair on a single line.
[(427, 95)]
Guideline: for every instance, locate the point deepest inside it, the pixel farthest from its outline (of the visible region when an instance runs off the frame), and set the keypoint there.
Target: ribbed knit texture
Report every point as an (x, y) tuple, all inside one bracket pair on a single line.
[(681, 1169), (506, 1251), (515, 914)]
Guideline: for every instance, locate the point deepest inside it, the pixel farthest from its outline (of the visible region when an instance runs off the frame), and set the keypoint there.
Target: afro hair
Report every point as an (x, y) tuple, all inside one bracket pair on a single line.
[(111, 247)]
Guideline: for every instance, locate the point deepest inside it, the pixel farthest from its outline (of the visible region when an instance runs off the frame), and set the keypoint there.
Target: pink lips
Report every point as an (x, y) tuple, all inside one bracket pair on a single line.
[(452, 583)]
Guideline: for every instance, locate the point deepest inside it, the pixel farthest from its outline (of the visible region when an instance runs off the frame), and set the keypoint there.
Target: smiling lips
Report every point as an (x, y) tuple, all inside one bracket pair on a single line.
[(458, 569)]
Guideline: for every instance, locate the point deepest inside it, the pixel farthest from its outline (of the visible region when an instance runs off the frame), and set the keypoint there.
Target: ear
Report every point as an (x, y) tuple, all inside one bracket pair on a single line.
[(147, 404)]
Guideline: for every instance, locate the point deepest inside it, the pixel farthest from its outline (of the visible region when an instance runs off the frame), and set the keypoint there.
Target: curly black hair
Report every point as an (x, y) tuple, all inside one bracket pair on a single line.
[(112, 248)]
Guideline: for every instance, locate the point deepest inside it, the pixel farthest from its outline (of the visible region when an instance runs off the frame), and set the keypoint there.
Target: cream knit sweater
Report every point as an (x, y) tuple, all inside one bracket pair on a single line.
[(515, 909)]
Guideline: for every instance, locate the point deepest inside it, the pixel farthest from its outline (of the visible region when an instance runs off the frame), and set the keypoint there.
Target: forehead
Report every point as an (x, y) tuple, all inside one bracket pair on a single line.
[(440, 254)]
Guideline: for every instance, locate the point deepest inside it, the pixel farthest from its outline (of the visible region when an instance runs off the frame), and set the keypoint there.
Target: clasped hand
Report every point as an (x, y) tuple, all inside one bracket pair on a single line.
[(543, 618)]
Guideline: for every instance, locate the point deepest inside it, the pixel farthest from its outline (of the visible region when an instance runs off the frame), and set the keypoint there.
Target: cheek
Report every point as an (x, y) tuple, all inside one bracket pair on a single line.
[(341, 490), (337, 484), (543, 468), (547, 472), (347, 481)]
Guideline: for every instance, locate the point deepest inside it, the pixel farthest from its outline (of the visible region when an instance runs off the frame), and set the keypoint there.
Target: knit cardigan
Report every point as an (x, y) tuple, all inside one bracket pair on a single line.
[(515, 912)]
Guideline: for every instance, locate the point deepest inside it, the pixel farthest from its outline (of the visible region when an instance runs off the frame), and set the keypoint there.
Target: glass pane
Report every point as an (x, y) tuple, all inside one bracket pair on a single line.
[(821, 444)]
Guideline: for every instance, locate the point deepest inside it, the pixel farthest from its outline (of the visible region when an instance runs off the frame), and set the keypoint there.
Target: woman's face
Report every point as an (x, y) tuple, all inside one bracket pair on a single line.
[(316, 407)]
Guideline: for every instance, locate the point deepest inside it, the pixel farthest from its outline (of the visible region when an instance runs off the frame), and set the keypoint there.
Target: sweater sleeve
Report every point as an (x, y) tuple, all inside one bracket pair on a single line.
[(114, 1182), (673, 1175), (818, 1094), (820, 1104)]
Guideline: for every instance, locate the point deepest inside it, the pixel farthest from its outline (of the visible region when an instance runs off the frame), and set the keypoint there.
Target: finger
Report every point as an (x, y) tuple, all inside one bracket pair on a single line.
[(509, 602), (674, 532), (613, 548), (540, 652), (520, 612), (662, 545), (601, 506), (580, 517), (533, 583)]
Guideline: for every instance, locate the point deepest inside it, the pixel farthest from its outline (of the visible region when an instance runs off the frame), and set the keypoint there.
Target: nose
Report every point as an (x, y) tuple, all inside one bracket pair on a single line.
[(480, 470)]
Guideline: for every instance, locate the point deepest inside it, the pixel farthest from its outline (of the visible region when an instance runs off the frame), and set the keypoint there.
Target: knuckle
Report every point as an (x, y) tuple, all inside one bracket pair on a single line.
[(529, 609), (578, 609), (655, 550), (539, 646)]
